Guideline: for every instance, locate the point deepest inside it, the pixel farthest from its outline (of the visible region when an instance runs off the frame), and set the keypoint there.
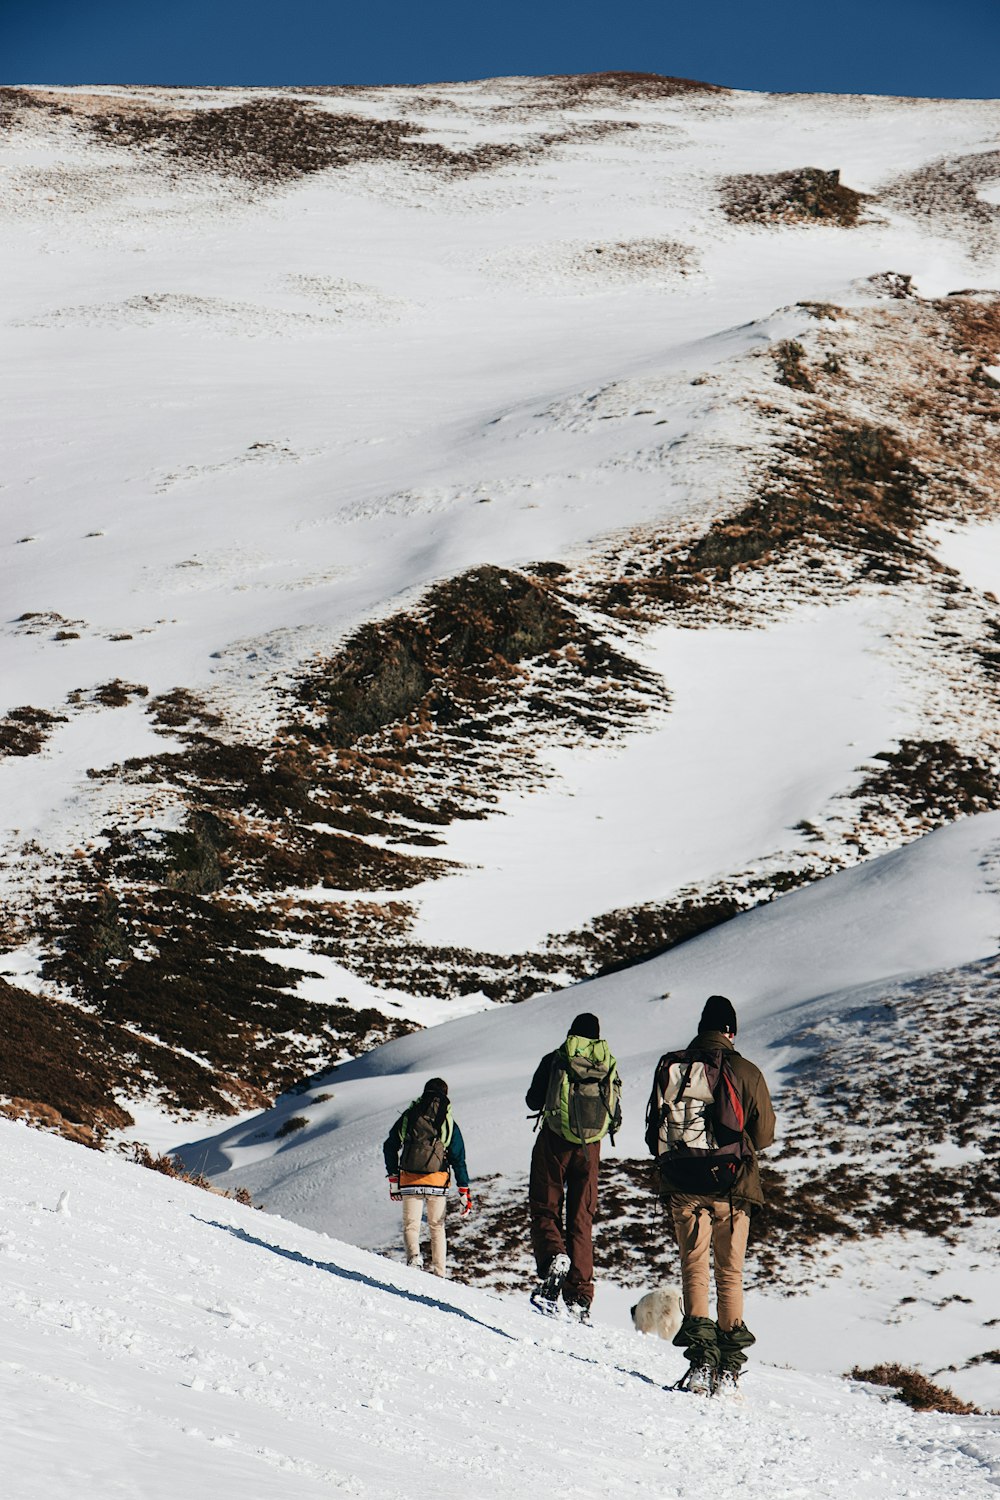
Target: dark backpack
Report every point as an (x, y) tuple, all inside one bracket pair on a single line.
[(695, 1123), (426, 1131), (583, 1100)]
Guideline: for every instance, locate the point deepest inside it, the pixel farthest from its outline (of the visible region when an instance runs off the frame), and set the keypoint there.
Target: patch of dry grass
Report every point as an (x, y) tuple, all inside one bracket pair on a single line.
[(914, 1389), (809, 195)]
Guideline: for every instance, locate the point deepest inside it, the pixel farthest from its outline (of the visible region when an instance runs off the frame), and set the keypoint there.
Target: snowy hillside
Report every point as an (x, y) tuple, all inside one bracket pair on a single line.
[(850, 995), (462, 541), (459, 539), (159, 1340)]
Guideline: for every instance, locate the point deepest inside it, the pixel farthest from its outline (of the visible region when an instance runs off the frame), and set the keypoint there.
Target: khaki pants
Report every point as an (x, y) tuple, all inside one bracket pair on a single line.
[(413, 1208), (701, 1225)]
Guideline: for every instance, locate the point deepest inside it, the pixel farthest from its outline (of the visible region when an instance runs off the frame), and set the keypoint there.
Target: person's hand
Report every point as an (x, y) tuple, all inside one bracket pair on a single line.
[(394, 1192), (465, 1194)]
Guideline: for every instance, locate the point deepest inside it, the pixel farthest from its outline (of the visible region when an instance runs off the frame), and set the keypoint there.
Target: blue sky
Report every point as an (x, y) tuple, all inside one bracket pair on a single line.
[(921, 47)]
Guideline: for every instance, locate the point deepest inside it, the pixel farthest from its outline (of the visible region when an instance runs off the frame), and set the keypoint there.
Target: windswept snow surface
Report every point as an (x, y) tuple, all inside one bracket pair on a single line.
[(158, 1341), (722, 781), (238, 425)]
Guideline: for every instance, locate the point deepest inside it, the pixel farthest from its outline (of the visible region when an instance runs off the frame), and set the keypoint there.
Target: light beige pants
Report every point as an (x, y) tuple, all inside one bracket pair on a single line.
[(412, 1212), (702, 1224)]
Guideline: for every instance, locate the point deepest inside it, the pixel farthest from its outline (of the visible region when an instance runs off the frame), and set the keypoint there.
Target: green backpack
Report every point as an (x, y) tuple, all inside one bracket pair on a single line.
[(583, 1102)]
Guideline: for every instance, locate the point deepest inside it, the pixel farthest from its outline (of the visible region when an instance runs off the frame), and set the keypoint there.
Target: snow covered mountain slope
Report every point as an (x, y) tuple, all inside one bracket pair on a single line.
[(457, 542), (156, 1338), (459, 539), (869, 999)]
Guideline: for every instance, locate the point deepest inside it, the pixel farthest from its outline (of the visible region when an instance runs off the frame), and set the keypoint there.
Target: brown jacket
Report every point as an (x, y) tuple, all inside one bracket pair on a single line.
[(757, 1110)]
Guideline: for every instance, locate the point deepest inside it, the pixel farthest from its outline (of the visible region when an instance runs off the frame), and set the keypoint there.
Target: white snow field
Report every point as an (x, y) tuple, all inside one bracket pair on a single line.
[(159, 1341)]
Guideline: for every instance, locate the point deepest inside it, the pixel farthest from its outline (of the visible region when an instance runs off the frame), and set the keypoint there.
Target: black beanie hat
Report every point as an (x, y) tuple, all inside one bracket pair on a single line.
[(436, 1086), (718, 1015), (586, 1025)]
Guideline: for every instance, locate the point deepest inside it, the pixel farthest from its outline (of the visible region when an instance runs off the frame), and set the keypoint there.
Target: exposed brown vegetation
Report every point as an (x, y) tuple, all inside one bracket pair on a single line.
[(931, 782), (592, 88), (789, 356), (172, 1166), (17, 105), (854, 485), (946, 191), (23, 731), (843, 497), (630, 935), (273, 140), (807, 196), (58, 1066), (459, 656), (914, 1389), (182, 710), (117, 693)]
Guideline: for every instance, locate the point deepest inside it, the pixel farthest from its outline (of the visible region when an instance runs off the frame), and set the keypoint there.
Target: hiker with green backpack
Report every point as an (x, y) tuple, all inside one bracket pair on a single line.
[(709, 1115), (420, 1150), (576, 1093)]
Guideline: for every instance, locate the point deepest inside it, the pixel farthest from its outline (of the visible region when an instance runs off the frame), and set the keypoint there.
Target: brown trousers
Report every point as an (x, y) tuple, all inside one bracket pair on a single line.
[(703, 1224), (562, 1198)]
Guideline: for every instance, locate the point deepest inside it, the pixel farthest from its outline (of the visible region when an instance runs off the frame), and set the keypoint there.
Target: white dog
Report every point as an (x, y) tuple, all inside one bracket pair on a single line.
[(659, 1312)]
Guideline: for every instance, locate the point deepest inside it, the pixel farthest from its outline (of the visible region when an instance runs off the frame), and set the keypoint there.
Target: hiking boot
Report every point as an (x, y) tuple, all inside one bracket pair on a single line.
[(701, 1380), (415, 1262), (546, 1293), (727, 1384), (581, 1312)]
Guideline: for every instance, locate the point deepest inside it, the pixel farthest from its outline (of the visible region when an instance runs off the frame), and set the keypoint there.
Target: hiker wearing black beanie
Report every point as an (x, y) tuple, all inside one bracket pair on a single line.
[(709, 1115), (576, 1093)]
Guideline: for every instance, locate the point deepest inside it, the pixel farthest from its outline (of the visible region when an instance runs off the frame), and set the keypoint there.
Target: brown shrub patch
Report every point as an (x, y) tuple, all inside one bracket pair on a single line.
[(56, 1058), (855, 486), (931, 781), (462, 649), (807, 196), (789, 356), (117, 693), (274, 140), (182, 710), (573, 89), (630, 935), (24, 731), (17, 104), (914, 1389), (172, 1166), (947, 192)]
